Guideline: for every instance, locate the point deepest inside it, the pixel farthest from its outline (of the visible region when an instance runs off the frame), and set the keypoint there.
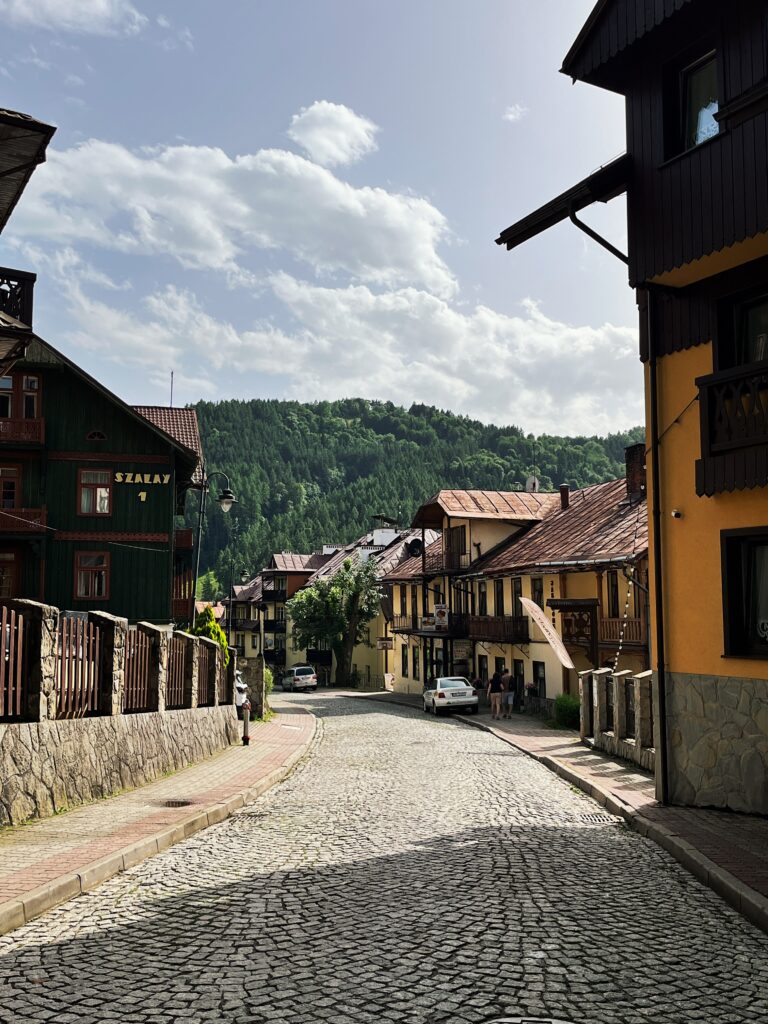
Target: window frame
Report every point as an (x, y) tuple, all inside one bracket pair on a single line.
[(107, 569), (81, 487), (539, 678), (612, 593), (673, 95), (684, 76), (415, 667), (18, 479), (736, 643), (404, 661), (498, 598), (534, 581), (482, 598)]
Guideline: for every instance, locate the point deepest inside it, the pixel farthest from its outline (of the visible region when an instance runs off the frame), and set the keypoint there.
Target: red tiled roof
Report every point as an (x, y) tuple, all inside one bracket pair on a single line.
[(180, 424), (599, 525), (528, 506), (218, 608)]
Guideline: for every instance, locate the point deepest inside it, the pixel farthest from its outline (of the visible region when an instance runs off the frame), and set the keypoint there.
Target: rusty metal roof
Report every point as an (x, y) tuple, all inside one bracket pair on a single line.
[(411, 568), (289, 561), (23, 142), (507, 506)]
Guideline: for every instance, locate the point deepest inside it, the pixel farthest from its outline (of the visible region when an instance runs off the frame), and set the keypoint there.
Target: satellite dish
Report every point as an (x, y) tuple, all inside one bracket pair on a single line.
[(415, 547), (532, 484)]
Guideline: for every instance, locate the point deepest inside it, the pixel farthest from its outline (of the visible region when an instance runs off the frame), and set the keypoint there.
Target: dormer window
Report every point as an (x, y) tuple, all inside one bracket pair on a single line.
[(699, 94)]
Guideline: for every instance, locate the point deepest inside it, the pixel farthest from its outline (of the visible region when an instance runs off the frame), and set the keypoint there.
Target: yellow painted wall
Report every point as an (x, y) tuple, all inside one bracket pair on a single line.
[(692, 587)]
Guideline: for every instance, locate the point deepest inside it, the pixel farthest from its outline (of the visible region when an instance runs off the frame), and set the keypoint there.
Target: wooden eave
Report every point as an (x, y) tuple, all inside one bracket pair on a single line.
[(23, 142), (603, 185)]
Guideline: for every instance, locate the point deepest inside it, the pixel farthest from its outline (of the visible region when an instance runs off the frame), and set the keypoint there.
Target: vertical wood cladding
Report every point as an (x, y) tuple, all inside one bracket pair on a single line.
[(685, 206)]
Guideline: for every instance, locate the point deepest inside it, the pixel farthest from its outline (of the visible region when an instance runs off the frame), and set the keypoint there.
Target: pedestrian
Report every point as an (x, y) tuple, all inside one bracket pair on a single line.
[(508, 696), (494, 692), (241, 692)]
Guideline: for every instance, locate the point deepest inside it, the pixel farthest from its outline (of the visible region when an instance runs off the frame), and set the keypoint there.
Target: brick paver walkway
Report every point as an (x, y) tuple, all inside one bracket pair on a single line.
[(40, 853), (736, 843)]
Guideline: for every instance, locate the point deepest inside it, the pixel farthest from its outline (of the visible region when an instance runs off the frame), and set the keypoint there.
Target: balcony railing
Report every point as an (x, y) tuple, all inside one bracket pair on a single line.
[(508, 629), (275, 656), (22, 520), (183, 540), (16, 293), (445, 561), (734, 410), (245, 624), (631, 631), (457, 626), (577, 630), (22, 431), (274, 625), (273, 596)]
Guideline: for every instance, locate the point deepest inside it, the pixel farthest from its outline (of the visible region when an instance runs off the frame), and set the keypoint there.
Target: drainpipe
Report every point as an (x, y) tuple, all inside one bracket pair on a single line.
[(657, 559)]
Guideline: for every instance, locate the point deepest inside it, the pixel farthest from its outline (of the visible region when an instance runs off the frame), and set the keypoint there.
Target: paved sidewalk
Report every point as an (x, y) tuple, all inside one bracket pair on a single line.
[(43, 863), (726, 851)]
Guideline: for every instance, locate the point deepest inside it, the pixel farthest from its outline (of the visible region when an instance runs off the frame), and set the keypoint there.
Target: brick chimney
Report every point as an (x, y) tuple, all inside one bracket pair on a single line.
[(634, 457), (565, 495)]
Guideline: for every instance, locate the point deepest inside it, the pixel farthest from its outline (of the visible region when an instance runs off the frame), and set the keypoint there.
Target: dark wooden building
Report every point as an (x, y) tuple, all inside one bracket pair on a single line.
[(695, 77)]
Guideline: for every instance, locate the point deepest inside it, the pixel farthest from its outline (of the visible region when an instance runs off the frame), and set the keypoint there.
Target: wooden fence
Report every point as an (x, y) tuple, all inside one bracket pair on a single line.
[(177, 664), (138, 662), (205, 692), (78, 669), (13, 667)]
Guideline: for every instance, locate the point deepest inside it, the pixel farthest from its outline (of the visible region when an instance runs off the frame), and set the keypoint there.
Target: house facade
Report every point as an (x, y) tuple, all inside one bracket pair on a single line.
[(695, 79)]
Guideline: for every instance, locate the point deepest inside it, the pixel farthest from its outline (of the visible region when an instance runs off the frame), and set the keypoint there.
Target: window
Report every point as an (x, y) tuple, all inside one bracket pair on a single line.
[(6, 397), (482, 667), (8, 567), (29, 398), (240, 641), (95, 435), (699, 94), (404, 661), (540, 678), (414, 601), (498, 597), (517, 593), (613, 594), (482, 598), (95, 492), (403, 599), (745, 592), (279, 613), (537, 590), (92, 575), (751, 331), (498, 665), (518, 671), (254, 641), (10, 490), (415, 662)]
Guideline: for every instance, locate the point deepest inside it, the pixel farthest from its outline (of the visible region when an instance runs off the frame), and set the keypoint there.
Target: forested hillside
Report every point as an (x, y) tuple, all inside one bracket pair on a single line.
[(312, 474)]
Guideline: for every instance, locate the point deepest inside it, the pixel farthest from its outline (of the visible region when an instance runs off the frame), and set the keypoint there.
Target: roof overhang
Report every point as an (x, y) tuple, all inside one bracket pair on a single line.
[(14, 339), (605, 184), (23, 142)]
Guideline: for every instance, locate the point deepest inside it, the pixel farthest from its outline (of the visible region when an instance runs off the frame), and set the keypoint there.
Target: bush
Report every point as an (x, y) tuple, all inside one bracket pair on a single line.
[(206, 625), (567, 709), (269, 679)]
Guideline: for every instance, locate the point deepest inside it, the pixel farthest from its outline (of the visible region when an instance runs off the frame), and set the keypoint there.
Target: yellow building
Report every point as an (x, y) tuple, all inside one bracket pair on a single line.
[(697, 204)]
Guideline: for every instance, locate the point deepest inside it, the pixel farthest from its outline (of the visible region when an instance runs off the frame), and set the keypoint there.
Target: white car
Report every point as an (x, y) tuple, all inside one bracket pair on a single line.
[(450, 693), (300, 677)]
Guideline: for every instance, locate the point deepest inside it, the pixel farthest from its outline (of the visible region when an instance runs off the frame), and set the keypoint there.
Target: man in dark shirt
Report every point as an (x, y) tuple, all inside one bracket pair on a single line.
[(494, 692)]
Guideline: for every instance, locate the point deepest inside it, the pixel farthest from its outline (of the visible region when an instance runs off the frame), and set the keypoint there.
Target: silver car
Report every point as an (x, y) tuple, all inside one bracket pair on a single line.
[(450, 693), (300, 677)]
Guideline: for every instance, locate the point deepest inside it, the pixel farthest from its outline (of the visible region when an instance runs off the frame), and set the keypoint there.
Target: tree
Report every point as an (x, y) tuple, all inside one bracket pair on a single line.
[(208, 587), (206, 625), (337, 610)]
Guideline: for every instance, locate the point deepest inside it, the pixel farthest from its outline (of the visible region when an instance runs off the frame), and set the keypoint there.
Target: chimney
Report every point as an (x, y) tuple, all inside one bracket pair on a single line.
[(634, 457), (565, 495)]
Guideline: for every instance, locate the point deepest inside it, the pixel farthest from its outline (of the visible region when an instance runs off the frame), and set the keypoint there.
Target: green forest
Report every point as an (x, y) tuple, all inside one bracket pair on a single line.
[(308, 474)]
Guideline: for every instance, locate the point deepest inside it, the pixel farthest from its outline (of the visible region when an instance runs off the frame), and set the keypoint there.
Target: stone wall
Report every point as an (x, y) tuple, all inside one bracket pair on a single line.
[(50, 766), (718, 741), (614, 732)]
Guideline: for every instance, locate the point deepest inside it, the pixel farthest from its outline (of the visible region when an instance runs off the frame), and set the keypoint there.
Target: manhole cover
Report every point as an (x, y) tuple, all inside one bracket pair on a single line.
[(599, 819), (177, 803)]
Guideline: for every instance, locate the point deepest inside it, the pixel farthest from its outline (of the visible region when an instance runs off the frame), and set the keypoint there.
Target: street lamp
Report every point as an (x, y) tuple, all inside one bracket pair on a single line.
[(225, 501)]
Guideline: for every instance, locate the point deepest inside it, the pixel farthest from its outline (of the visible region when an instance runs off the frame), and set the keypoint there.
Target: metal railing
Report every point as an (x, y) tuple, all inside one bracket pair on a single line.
[(78, 668), (13, 667), (138, 656)]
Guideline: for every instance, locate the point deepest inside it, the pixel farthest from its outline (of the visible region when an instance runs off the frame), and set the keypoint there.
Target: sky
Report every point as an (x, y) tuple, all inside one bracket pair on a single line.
[(299, 199)]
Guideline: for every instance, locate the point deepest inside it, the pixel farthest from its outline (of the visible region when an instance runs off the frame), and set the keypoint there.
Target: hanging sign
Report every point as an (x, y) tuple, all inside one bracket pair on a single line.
[(550, 633), (441, 618), (385, 643)]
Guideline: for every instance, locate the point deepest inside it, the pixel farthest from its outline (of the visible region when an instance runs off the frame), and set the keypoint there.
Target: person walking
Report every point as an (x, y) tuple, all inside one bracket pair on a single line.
[(494, 692), (508, 694)]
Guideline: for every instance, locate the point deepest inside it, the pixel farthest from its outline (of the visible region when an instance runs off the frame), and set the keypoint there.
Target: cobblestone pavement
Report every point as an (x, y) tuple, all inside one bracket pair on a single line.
[(410, 870)]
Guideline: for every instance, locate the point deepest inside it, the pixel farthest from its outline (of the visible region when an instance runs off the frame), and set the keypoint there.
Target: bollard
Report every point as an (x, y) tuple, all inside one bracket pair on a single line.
[(246, 721)]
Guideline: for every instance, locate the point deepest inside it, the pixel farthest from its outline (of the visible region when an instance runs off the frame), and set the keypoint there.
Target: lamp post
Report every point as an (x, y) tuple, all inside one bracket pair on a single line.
[(225, 501)]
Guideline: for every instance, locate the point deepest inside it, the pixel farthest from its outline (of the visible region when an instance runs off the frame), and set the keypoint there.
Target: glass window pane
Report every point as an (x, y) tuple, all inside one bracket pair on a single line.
[(6, 384), (758, 595), (99, 584), (87, 561), (752, 342), (30, 383), (86, 500), (30, 407), (82, 584), (700, 103), (8, 493), (5, 406), (91, 476), (102, 500)]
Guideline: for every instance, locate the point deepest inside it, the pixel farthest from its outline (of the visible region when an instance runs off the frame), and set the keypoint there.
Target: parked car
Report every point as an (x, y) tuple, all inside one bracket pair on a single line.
[(300, 677), (449, 693)]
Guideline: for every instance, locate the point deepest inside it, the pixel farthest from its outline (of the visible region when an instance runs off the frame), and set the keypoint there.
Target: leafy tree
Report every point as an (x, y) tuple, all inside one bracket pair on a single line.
[(208, 587), (337, 610), (206, 625)]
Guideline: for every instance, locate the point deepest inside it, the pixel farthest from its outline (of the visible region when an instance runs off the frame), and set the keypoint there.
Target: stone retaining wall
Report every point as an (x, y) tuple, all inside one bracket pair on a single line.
[(50, 766), (718, 741)]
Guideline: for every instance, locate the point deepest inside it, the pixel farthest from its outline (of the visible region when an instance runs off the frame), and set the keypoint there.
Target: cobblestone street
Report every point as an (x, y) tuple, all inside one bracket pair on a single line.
[(409, 870)]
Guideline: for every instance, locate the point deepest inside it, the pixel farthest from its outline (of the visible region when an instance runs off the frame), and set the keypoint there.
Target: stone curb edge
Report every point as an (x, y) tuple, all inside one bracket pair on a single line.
[(18, 912), (751, 904)]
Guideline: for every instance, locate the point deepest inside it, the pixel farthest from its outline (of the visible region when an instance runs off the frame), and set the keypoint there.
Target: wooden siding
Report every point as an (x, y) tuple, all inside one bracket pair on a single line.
[(612, 28), (712, 196)]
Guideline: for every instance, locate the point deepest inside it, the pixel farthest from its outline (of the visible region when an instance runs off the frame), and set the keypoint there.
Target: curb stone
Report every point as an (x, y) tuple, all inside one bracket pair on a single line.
[(32, 904), (751, 904)]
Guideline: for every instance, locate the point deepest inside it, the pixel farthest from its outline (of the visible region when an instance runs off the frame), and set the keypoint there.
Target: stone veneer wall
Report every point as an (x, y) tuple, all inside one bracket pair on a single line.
[(718, 741), (49, 766)]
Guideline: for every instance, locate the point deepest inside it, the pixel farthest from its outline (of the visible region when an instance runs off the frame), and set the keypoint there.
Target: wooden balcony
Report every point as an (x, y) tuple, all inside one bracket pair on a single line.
[(274, 625), (22, 431), (445, 561), (733, 410), (273, 596), (458, 625), (181, 608), (183, 540), (629, 631), (23, 520), (505, 629), (245, 624)]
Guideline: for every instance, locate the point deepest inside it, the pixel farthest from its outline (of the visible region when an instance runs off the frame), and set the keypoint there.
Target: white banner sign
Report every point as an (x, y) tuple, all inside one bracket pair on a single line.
[(553, 638)]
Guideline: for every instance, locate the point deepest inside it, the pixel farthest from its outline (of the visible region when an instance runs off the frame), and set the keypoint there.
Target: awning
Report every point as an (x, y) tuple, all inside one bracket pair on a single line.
[(23, 142), (602, 186)]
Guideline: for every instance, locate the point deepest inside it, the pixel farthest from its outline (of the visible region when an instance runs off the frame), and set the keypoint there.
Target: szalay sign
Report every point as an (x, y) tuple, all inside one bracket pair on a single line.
[(550, 633)]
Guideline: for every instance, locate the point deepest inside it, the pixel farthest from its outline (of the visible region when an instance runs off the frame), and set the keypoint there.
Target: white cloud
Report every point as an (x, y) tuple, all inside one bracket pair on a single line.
[(515, 112), (332, 134), (90, 17), (210, 211), (74, 80)]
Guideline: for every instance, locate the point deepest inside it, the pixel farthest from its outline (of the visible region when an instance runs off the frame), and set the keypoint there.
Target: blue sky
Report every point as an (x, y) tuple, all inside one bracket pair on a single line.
[(298, 198)]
